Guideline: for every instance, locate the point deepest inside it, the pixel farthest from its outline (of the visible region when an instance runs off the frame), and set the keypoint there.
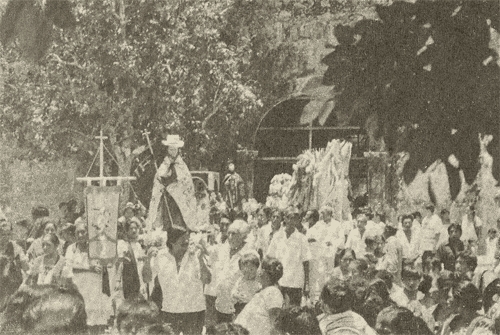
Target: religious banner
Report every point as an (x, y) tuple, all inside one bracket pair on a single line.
[(102, 220)]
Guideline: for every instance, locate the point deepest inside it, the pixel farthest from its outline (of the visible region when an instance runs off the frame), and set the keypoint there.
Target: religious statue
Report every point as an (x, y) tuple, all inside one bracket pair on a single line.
[(173, 201), (234, 189)]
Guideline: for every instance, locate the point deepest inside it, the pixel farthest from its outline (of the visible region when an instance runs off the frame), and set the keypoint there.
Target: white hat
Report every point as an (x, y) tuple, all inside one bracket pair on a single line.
[(173, 141)]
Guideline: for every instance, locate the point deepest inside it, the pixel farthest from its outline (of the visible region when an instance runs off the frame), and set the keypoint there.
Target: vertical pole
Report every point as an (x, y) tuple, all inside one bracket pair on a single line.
[(310, 135), (101, 160)]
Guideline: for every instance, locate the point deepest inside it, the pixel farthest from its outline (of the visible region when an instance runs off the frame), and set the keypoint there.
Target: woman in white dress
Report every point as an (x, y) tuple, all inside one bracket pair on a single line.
[(260, 314), (49, 268), (87, 276)]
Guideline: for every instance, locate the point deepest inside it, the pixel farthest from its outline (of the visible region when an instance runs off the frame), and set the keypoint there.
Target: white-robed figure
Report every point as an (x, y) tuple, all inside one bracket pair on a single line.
[(173, 201)]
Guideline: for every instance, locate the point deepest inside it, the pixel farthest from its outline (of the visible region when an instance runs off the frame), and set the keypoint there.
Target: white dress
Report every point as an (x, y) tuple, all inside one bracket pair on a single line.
[(89, 283), (255, 316)]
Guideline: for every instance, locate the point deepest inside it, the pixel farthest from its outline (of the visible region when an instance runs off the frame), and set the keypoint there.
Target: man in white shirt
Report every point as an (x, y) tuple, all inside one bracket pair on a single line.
[(430, 232), (356, 238), (226, 266), (409, 241), (291, 249), (324, 238)]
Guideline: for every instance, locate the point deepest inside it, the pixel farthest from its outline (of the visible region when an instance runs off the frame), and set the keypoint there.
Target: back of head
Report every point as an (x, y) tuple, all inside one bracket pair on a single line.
[(298, 321), (48, 309), (136, 313), (337, 296), (227, 329), (401, 321)]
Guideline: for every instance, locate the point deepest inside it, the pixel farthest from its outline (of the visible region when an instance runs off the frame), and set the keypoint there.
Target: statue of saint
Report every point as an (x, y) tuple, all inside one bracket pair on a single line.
[(173, 201), (234, 189)]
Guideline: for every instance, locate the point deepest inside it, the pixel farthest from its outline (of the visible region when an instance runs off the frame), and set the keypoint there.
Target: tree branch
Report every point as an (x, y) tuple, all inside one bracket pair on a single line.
[(60, 61), (214, 108)]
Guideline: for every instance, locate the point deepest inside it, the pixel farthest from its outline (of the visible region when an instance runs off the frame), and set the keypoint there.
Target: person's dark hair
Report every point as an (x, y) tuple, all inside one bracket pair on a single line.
[(444, 211), (401, 321), (370, 241), (390, 231), (249, 258), (360, 264), (425, 285), (39, 212), (375, 299), (446, 281), (410, 272), (267, 211), (430, 207), (40, 225), (387, 277), (416, 215), (129, 223), (273, 268), (31, 309), (407, 216), (467, 295), (136, 313), (240, 216), (298, 321), (227, 329), (469, 258), (455, 226), (341, 253), (314, 215), (492, 230), (63, 204), (52, 238), (173, 235), (490, 291), (337, 296), (380, 215)]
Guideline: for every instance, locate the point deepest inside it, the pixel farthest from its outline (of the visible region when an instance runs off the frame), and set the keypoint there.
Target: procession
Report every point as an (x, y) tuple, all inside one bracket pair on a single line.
[(228, 167)]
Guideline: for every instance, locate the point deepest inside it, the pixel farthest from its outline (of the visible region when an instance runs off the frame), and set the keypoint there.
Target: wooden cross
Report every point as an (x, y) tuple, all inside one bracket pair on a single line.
[(102, 180)]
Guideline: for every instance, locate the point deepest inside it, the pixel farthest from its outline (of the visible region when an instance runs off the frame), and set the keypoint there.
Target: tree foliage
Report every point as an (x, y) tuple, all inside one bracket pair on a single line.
[(426, 74), (131, 65)]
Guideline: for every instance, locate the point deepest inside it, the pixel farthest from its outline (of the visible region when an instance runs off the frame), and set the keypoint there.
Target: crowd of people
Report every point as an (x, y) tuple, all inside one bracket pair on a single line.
[(257, 271)]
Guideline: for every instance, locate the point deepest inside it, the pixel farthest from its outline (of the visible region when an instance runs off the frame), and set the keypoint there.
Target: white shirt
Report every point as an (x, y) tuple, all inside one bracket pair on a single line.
[(411, 249), (245, 290), (183, 290), (468, 228), (356, 242), (264, 238), (325, 233), (375, 228), (430, 227), (255, 316), (227, 273), (292, 252)]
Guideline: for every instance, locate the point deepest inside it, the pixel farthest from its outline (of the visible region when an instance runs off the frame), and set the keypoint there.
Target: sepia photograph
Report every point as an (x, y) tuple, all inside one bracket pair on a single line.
[(250, 167)]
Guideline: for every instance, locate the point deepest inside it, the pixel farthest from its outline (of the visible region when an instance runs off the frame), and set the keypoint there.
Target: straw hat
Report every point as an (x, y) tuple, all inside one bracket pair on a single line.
[(173, 141)]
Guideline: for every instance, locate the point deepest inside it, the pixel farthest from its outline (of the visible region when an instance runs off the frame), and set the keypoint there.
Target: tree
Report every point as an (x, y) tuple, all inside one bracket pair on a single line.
[(426, 80), (131, 65)]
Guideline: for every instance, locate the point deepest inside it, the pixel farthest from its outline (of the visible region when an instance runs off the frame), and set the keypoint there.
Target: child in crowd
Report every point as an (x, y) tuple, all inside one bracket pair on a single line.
[(247, 286)]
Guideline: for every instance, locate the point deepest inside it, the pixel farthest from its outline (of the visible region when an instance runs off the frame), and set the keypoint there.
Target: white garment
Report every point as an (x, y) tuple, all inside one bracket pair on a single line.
[(411, 249), (356, 242), (255, 316), (227, 273), (292, 252), (245, 290), (322, 255), (264, 238), (211, 288), (468, 228), (182, 290), (491, 248), (431, 226), (375, 228)]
